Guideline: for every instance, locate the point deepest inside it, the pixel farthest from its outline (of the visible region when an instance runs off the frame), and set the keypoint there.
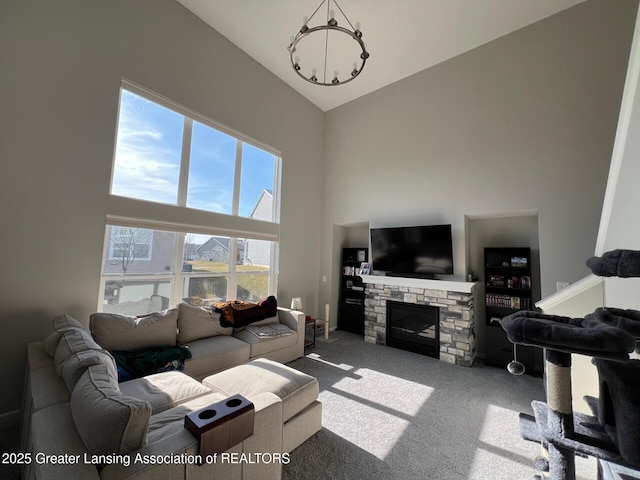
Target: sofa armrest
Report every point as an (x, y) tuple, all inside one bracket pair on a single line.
[(54, 433), (295, 321)]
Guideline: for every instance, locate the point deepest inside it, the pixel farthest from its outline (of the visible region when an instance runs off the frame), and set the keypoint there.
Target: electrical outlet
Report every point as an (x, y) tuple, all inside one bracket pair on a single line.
[(561, 285)]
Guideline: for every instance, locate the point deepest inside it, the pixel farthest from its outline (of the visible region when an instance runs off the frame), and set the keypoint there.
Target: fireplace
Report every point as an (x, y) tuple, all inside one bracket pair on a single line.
[(414, 328), (455, 313)]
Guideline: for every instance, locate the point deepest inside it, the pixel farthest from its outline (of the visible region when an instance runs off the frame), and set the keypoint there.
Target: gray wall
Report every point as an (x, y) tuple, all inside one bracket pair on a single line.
[(524, 123), (61, 65)]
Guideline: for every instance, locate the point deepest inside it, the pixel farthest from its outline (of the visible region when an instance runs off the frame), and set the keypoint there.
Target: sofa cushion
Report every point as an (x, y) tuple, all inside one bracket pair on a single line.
[(124, 333), (75, 352), (75, 365), (58, 325), (237, 313), (212, 354), (164, 390), (297, 390), (262, 346), (108, 421), (71, 342), (171, 420), (195, 323)]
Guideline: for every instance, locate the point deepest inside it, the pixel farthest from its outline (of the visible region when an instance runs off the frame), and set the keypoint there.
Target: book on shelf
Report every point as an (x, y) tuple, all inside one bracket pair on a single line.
[(507, 301)]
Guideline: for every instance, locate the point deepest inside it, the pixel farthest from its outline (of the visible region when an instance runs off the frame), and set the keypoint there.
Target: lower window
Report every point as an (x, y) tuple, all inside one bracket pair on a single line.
[(146, 270)]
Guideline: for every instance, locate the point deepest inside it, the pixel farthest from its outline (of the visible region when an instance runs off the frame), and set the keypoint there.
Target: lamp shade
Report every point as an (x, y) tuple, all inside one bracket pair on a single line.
[(296, 303)]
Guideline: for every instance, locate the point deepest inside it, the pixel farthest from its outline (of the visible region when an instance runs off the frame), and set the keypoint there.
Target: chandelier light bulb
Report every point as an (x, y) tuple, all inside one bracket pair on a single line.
[(332, 19)]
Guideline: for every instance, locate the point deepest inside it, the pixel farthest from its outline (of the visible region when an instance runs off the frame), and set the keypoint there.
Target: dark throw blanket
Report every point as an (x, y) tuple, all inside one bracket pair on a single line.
[(150, 360)]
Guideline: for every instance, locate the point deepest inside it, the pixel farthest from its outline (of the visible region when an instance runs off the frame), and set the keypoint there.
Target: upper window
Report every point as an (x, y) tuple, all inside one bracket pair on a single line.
[(165, 155)]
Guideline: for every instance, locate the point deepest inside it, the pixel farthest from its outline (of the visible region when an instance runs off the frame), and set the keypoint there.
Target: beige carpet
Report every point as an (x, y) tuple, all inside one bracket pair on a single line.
[(390, 414)]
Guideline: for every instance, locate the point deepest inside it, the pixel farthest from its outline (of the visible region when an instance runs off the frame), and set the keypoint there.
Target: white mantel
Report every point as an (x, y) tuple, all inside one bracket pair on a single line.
[(448, 285)]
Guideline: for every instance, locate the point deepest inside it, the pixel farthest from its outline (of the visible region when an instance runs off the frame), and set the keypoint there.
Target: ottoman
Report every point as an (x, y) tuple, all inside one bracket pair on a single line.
[(301, 410)]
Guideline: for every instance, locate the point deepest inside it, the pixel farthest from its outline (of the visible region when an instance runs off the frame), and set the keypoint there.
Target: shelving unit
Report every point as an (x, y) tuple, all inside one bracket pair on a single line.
[(351, 303), (508, 287), (309, 332)]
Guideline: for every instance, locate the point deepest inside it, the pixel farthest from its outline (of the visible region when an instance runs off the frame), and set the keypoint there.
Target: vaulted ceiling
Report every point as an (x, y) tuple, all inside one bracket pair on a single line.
[(402, 36)]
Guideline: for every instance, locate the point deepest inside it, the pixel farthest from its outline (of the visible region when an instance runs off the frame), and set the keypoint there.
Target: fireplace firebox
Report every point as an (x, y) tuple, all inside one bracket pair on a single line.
[(414, 328)]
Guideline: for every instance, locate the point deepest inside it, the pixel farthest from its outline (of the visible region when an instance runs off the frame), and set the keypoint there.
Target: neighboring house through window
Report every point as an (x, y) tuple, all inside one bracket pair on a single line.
[(166, 154)]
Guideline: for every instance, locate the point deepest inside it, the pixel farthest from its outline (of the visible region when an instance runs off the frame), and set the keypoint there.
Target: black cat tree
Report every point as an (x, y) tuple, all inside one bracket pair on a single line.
[(608, 335)]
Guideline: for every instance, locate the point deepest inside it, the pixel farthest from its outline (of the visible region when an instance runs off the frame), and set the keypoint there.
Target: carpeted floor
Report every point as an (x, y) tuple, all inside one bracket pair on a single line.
[(390, 414)]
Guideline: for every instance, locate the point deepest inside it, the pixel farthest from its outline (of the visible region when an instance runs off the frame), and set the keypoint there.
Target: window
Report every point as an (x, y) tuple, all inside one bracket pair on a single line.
[(166, 157), (166, 154)]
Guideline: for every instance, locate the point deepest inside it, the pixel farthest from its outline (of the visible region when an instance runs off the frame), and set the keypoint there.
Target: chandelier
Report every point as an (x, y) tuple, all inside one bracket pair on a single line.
[(315, 43)]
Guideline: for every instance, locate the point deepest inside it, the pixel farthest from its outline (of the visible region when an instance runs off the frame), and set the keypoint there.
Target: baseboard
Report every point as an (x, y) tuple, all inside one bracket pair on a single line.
[(9, 419)]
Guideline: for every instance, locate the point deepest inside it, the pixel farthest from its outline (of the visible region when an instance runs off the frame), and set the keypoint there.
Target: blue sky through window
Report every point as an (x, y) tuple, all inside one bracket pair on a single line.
[(148, 148), (257, 175), (148, 154), (211, 170)]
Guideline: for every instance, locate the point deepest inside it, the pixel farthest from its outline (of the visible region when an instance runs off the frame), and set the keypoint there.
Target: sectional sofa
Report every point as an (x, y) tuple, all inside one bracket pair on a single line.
[(80, 422)]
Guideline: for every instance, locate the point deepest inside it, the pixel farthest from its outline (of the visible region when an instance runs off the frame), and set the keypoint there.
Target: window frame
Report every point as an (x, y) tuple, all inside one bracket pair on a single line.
[(182, 220)]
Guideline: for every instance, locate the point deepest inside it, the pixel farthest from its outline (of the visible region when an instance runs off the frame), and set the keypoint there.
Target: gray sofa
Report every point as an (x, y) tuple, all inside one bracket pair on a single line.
[(213, 347), (76, 412)]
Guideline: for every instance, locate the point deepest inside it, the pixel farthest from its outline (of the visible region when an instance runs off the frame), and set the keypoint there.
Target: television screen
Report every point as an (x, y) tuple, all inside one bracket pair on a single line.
[(412, 251)]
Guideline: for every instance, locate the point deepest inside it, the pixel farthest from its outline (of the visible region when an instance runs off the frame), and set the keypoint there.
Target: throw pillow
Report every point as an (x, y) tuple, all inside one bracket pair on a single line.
[(72, 342), (198, 322), (74, 366), (125, 333), (58, 325), (238, 313), (108, 421)]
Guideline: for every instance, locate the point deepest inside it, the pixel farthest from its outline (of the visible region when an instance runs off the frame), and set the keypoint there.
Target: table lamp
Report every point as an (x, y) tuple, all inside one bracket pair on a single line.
[(296, 303)]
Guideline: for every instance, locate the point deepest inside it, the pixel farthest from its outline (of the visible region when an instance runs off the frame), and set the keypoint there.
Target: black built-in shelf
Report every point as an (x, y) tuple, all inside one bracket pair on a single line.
[(351, 303), (508, 289)]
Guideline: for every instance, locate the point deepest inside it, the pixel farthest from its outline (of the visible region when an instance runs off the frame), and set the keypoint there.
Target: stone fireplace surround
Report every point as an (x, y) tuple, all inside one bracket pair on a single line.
[(455, 302)]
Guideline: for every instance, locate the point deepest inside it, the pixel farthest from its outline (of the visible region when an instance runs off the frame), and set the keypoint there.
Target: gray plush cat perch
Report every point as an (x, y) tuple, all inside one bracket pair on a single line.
[(608, 335)]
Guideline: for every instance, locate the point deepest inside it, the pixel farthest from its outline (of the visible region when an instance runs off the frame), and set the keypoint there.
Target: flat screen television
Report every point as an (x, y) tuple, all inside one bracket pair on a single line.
[(422, 251)]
